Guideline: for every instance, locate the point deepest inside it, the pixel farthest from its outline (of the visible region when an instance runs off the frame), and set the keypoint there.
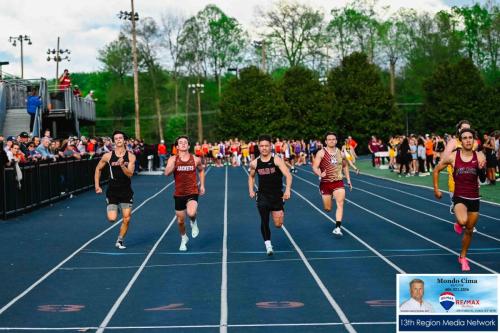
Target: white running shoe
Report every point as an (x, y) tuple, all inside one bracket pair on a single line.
[(269, 250), (337, 231), (194, 229), (119, 245), (184, 241)]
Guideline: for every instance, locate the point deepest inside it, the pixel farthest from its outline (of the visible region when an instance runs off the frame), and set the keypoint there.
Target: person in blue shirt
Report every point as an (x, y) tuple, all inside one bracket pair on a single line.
[(32, 104)]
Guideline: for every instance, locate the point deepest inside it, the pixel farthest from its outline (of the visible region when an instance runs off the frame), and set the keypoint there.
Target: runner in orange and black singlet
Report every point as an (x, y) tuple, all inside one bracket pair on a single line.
[(184, 166)]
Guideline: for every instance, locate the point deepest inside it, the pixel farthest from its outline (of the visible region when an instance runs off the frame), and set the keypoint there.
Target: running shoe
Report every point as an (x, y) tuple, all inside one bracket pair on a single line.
[(269, 250), (337, 231), (184, 241), (119, 245), (194, 229), (464, 263), (458, 228)]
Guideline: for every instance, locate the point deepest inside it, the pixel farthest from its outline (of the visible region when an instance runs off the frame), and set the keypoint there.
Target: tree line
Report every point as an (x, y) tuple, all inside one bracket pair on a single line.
[(380, 68)]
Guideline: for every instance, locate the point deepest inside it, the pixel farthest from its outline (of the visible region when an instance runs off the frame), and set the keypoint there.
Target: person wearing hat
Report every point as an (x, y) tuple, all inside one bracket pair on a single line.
[(76, 91), (90, 96), (162, 153), (23, 142)]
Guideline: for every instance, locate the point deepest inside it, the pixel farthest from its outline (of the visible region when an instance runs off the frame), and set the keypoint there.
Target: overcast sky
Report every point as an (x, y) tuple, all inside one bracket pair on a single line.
[(86, 26)]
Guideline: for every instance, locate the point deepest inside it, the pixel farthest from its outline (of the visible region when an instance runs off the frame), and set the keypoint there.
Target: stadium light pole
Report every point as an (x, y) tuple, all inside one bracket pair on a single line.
[(57, 56), (261, 44), (133, 17), (197, 88), (21, 39)]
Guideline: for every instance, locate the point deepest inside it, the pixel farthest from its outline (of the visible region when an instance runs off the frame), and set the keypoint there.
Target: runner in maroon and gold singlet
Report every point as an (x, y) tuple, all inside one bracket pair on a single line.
[(328, 165), (465, 163)]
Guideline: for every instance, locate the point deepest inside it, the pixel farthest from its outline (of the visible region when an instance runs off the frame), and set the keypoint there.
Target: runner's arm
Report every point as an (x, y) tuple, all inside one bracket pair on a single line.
[(201, 174), (129, 169), (170, 165), (443, 164), (316, 162), (97, 175), (251, 178), (288, 176)]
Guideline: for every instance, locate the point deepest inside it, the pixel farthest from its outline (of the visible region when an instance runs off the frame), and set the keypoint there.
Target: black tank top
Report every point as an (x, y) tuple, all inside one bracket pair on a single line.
[(118, 181), (270, 178)]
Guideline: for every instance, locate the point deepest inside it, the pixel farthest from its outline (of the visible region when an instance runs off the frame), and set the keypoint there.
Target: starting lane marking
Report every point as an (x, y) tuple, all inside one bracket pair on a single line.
[(279, 305), (60, 307), (377, 303), (170, 307), (49, 273)]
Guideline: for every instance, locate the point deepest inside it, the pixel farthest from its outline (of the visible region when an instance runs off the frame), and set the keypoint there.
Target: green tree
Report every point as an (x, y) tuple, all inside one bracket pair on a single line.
[(364, 106), (117, 57), (457, 91), (251, 105), (292, 26), (310, 106)]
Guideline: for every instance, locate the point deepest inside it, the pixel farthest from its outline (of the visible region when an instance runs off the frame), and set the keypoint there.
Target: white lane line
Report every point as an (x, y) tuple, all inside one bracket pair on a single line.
[(325, 291), (115, 306), (223, 286), (120, 299), (420, 197), (381, 256), (84, 329), (423, 213), (418, 211), (49, 273), (408, 184), (411, 231), (265, 261), (320, 283)]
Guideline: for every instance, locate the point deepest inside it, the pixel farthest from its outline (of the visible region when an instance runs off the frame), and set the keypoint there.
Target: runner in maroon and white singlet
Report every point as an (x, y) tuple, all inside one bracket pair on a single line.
[(328, 164), (465, 163), (184, 166)]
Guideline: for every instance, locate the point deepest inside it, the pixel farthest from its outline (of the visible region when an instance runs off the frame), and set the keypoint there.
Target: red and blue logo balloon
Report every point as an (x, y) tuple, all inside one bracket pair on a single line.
[(447, 300)]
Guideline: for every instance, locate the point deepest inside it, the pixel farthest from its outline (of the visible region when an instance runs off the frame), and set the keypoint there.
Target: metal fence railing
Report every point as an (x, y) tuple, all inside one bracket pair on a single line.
[(16, 93), (43, 183)]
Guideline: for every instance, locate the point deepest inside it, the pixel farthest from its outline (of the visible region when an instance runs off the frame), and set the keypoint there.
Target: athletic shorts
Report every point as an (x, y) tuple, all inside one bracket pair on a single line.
[(181, 202), (272, 203), (124, 200), (327, 188), (472, 205)]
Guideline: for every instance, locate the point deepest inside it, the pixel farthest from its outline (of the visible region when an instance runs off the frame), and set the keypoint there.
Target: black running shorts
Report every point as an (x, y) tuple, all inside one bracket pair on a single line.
[(181, 202), (472, 205)]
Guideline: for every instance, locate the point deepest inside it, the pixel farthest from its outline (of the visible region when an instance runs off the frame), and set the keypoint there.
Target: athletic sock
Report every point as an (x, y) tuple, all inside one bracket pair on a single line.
[(338, 223), (267, 243), (120, 239)]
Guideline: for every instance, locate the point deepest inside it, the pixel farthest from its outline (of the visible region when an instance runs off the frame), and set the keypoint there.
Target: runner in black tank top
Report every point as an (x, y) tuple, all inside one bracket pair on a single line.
[(270, 197), (121, 165)]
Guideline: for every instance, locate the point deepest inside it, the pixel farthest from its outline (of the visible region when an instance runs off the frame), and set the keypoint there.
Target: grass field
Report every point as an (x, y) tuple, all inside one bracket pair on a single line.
[(488, 192)]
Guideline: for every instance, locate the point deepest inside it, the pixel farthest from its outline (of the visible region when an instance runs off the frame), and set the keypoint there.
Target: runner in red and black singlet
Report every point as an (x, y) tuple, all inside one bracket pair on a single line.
[(328, 165), (270, 196), (465, 163), (184, 167), (121, 168)]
